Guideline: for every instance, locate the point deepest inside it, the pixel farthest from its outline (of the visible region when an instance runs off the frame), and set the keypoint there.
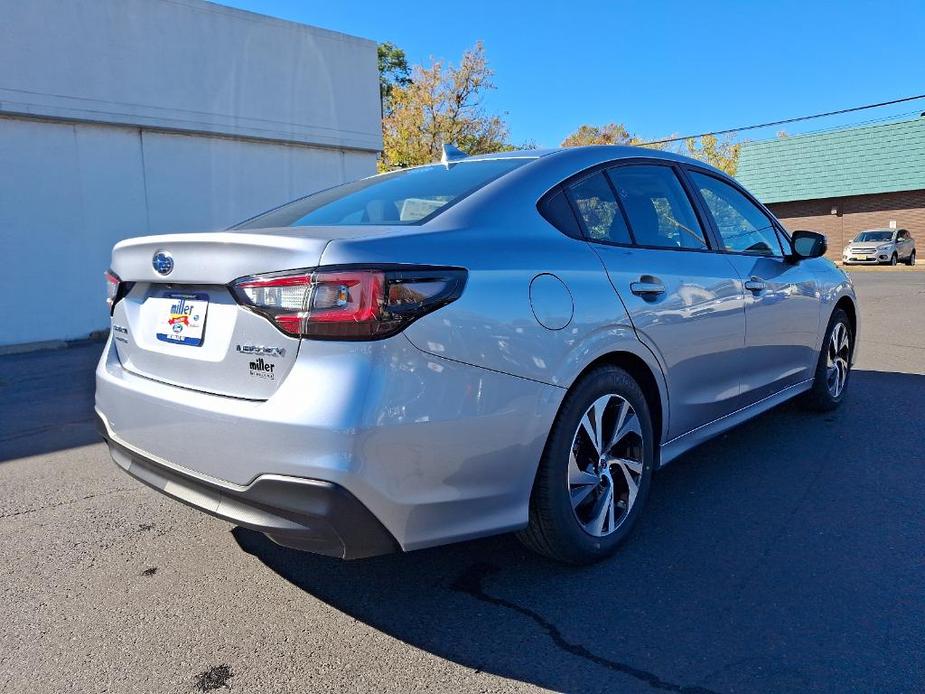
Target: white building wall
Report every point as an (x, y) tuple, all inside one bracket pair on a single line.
[(127, 117)]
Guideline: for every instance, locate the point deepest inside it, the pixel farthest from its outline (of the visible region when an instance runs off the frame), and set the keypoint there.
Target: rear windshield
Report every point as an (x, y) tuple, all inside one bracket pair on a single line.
[(409, 196), (874, 236)]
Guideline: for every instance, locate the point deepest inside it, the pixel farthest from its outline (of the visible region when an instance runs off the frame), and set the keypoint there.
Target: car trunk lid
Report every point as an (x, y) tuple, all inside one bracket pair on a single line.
[(185, 327), (218, 257)]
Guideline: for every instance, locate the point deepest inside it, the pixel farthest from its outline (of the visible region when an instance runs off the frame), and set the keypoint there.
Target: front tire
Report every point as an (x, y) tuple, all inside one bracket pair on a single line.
[(834, 366), (894, 259), (911, 260), (595, 473)]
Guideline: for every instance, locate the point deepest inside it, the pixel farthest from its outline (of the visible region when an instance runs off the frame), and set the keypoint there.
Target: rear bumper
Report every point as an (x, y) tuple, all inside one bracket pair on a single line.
[(437, 451), (305, 514)]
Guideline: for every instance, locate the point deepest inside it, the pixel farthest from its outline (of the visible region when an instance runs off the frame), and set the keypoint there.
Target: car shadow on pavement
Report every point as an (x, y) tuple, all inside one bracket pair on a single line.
[(46, 400), (780, 556)]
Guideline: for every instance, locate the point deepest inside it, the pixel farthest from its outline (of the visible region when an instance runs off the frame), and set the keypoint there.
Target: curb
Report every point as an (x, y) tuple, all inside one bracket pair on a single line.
[(918, 267), (97, 336)]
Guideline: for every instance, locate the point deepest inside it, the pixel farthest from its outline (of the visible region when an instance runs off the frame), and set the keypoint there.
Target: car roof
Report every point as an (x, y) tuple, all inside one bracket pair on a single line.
[(589, 155)]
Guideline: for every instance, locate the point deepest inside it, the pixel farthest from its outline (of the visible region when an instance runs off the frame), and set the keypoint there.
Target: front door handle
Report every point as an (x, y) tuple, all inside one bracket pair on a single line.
[(756, 284), (649, 286)]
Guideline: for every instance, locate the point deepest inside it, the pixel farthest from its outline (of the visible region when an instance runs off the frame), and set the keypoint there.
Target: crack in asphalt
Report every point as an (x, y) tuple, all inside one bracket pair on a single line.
[(470, 583), (66, 503)]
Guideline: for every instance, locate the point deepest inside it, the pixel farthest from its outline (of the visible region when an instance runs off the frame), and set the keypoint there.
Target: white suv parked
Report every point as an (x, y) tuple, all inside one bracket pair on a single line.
[(878, 246)]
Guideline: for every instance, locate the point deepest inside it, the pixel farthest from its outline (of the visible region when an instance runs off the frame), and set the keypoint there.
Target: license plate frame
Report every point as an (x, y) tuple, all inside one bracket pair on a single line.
[(181, 317)]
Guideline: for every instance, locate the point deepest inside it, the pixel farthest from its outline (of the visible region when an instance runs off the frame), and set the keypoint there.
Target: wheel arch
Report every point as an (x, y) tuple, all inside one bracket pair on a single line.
[(847, 305), (652, 386), (646, 372)]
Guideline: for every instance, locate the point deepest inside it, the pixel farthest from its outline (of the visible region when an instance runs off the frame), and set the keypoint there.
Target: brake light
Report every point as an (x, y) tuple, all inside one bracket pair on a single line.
[(116, 289), (349, 303), (112, 288)]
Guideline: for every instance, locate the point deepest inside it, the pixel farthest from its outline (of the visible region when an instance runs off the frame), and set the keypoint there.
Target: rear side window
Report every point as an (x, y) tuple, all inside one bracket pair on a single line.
[(743, 227), (558, 212), (658, 209), (408, 196), (597, 206)]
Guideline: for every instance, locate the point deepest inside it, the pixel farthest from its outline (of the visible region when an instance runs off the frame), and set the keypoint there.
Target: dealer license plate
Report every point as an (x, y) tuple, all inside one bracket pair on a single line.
[(181, 317)]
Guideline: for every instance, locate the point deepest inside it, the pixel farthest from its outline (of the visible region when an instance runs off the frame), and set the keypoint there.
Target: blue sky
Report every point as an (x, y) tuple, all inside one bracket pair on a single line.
[(658, 67)]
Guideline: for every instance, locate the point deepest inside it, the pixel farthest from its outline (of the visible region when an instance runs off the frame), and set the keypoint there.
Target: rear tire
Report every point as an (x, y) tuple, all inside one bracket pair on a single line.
[(833, 368), (595, 473)]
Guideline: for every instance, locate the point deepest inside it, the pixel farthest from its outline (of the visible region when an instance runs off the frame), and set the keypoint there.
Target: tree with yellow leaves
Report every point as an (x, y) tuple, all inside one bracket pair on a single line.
[(442, 103), (723, 154), (609, 134)]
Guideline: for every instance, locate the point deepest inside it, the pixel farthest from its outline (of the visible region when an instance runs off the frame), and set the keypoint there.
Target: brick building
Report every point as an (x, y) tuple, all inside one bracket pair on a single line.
[(842, 182)]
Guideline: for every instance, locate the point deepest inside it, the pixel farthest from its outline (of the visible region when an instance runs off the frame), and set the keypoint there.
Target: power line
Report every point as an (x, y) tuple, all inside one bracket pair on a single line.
[(786, 120), (838, 128)]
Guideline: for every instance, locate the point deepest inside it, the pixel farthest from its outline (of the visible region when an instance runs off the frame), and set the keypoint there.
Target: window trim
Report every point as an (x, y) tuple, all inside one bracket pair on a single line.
[(676, 167), (707, 240), (682, 170), (582, 225), (731, 182), (785, 236)]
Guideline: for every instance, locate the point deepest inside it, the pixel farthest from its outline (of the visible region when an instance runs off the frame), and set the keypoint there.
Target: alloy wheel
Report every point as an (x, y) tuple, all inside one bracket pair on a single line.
[(605, 465), (837, 359)]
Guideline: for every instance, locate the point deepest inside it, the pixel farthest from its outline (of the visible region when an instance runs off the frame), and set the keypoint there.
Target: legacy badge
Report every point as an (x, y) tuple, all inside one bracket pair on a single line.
[(260, 349)]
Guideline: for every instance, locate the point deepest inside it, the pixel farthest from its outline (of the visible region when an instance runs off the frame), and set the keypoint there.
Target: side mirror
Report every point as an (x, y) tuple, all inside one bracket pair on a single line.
[(808, 244)]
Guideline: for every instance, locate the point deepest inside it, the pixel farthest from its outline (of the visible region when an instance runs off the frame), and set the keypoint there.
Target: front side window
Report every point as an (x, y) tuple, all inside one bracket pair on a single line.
[(594, 199), (659, 211), (408, 196), (743, 227)]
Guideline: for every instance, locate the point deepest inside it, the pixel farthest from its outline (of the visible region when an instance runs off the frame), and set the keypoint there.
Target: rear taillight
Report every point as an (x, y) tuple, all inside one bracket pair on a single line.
[(115, 289), (349, 303), (112, 288)]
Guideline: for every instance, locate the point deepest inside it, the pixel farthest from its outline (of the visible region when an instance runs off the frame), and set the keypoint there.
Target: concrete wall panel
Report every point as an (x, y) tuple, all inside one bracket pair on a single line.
[(197, 183), (69, 192), (121, 118), (188, 65)]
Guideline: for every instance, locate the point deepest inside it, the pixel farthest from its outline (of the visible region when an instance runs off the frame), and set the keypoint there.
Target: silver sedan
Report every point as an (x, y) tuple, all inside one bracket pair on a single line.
[(512, 342)]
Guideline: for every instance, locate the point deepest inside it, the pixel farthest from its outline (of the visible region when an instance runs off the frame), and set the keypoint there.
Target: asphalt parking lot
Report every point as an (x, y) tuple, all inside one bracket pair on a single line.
[(786, 555)]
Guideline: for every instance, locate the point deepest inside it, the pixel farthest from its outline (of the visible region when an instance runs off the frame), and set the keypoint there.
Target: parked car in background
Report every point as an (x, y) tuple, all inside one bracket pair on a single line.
[(508, 342), (880, 246)]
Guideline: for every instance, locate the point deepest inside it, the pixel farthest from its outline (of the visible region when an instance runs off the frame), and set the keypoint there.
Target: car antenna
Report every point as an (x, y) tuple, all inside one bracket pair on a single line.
[(451, 153)]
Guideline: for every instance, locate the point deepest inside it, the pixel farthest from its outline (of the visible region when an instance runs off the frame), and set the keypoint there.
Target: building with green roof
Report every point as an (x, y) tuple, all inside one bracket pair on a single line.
[(844, 181)]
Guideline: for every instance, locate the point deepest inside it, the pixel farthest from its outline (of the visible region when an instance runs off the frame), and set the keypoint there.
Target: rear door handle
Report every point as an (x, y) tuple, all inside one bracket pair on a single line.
[(756, 284), (651, 287)]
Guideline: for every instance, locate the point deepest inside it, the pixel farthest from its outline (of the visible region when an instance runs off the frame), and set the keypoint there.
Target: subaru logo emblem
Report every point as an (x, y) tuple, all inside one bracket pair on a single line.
[(163, 262)]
